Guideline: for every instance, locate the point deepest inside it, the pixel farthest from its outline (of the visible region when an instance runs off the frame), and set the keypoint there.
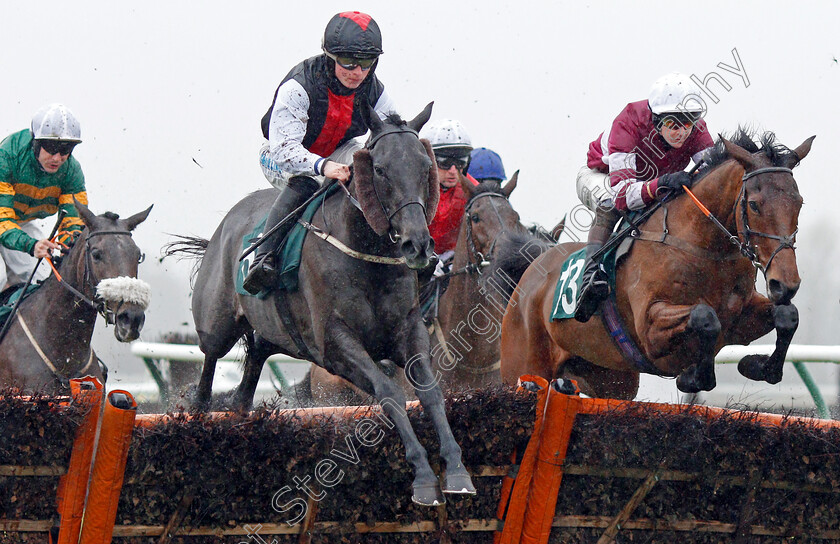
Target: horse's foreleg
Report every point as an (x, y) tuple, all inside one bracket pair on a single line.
[(785, 320), (685, 329), (345, 356), (703, 329), (426, 385)]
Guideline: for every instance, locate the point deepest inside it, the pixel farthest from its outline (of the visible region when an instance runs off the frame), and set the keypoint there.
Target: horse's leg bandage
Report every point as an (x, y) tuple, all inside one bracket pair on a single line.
[(125, 289)]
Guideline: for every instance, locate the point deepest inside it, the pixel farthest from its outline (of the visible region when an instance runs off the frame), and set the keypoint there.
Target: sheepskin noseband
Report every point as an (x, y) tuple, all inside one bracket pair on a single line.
[(125, 289), (365, 192)]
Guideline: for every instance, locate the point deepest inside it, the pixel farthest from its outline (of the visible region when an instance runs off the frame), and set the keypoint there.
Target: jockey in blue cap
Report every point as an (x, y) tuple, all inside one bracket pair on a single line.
[(486, 164)]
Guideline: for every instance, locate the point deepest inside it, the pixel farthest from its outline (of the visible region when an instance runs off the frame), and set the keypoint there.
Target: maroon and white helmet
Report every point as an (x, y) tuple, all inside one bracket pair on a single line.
[(675, 93)]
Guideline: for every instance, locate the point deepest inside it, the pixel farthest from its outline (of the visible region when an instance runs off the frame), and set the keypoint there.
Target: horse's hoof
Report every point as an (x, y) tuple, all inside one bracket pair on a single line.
[(693, 381), (458, 483), (427, 495), (754, 367)]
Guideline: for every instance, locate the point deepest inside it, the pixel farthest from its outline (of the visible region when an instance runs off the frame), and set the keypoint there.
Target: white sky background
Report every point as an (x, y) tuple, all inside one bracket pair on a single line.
[(159, 86)]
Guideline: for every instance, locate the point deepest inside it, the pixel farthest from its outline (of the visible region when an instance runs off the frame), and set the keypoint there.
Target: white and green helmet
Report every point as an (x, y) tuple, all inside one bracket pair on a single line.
[(56, 122)]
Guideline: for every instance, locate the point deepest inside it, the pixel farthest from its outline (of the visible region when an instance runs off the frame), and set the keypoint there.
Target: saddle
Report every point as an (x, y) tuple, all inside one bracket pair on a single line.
[(9, 297)]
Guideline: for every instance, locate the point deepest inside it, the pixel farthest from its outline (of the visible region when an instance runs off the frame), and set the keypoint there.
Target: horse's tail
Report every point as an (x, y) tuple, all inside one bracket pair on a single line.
[(188, 247), (514, 253)]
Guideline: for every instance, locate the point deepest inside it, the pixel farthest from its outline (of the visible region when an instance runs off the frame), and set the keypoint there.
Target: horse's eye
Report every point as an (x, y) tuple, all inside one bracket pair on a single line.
[(475, 218), (96, 254), (754, 206), (379, 170)]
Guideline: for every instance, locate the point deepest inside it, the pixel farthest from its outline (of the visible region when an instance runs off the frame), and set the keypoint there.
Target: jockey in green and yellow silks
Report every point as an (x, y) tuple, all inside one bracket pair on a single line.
[(38, 175)]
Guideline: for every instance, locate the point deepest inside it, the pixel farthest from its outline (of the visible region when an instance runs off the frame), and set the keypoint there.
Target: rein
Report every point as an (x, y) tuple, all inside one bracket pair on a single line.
[(746, 247), (480, 260)]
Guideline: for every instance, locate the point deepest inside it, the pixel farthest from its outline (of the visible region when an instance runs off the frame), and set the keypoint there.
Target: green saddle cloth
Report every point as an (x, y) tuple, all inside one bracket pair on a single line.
[(290, 252), (9, 303), (569, 284)]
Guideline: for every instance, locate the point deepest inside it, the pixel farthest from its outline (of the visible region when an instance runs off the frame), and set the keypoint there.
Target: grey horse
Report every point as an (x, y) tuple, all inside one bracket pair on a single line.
[(355, 311)]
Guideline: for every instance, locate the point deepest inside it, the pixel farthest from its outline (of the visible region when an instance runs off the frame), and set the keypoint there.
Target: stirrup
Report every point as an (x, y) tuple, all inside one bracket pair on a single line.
[(594, 292), (261, 275)]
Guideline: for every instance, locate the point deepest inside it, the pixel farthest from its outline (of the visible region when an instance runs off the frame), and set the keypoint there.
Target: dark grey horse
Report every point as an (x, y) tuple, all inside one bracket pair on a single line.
[(49, 339), (354, 317)]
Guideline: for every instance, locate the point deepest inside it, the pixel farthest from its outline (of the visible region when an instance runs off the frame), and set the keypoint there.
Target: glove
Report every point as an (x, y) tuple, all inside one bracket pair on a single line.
[(673, 182)]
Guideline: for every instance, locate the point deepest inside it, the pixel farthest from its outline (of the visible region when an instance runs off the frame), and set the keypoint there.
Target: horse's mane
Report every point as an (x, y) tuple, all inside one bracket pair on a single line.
[(753, 142), (394, 119)]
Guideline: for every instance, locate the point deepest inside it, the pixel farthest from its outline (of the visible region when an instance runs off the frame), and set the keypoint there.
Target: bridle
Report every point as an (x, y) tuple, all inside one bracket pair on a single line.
[(369, 145), (747, 246), (89, 281), (477, 260)]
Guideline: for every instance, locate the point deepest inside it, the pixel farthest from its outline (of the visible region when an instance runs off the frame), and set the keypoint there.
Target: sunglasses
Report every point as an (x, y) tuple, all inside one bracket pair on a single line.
[(674, 122), (57, 147), (445, 163), (350, 63)]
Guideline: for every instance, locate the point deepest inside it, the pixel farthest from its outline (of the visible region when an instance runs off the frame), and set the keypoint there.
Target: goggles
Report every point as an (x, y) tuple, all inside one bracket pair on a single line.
[(350, 63), (57, 147), (445, 163)]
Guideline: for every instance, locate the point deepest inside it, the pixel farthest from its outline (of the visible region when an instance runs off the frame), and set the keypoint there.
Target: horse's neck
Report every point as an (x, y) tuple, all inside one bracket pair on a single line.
[(56, 318), (718, 192)]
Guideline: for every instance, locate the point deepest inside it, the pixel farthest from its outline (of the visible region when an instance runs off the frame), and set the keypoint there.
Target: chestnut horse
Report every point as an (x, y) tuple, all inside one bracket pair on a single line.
[(685, 290), (48, 341)]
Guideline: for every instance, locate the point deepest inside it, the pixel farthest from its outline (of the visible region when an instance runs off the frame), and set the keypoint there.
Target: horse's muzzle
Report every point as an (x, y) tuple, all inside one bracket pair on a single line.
[(417, 251), (129, 322), (781, 293)]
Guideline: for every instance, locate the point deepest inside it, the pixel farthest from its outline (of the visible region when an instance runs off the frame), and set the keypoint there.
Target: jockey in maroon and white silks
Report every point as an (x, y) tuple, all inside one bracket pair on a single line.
[(634, 154), (640, 157)]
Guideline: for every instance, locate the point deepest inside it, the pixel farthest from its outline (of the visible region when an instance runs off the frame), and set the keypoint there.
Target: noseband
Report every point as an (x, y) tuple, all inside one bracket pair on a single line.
[(747, 246)]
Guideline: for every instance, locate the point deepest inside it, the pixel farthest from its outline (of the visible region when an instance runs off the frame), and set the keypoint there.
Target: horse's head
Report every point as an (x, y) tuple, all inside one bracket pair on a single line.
[(488, 214), (396, 183), (767, 212), (106, 264)]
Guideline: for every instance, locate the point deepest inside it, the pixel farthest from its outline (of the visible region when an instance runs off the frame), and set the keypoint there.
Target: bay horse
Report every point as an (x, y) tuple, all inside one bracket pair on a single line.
[(466, 326), (48, 341), (685, 290), (354, 314)]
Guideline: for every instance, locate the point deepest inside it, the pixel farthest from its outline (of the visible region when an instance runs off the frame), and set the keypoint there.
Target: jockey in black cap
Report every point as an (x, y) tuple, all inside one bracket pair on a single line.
[(318, 111)]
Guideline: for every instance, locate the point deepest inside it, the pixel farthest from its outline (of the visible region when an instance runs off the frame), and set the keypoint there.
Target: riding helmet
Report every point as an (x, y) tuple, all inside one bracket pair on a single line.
[(56, 122), (352, 33), (486, 164)]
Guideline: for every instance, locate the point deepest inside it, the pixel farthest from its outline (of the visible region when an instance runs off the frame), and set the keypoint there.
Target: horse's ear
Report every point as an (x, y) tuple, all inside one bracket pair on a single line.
[(434, 183), (800, 152), (422, 118), (372, 119), (510, 185), (87, 216), (740, 154), (130, 223), (363, 183), (466, 185)]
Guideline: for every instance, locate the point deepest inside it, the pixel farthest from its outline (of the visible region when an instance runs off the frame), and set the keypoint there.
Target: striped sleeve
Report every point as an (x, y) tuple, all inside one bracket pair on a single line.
[(11, 236), (73, 187)]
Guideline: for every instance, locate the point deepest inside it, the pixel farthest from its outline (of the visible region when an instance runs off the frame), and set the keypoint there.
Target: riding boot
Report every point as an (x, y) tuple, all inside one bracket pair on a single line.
[(262, 274), (595, 285)]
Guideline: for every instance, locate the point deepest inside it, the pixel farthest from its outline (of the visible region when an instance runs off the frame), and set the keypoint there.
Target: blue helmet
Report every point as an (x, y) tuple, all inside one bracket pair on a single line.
[(486, 163)]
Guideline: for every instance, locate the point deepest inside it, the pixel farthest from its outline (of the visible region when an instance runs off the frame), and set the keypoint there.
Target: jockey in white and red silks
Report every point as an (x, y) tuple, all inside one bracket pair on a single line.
[(313, 122), (640, 157)]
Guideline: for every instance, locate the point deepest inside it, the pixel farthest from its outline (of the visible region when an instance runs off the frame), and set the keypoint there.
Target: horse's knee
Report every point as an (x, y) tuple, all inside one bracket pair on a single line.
[(786, 318), (704, 321)]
